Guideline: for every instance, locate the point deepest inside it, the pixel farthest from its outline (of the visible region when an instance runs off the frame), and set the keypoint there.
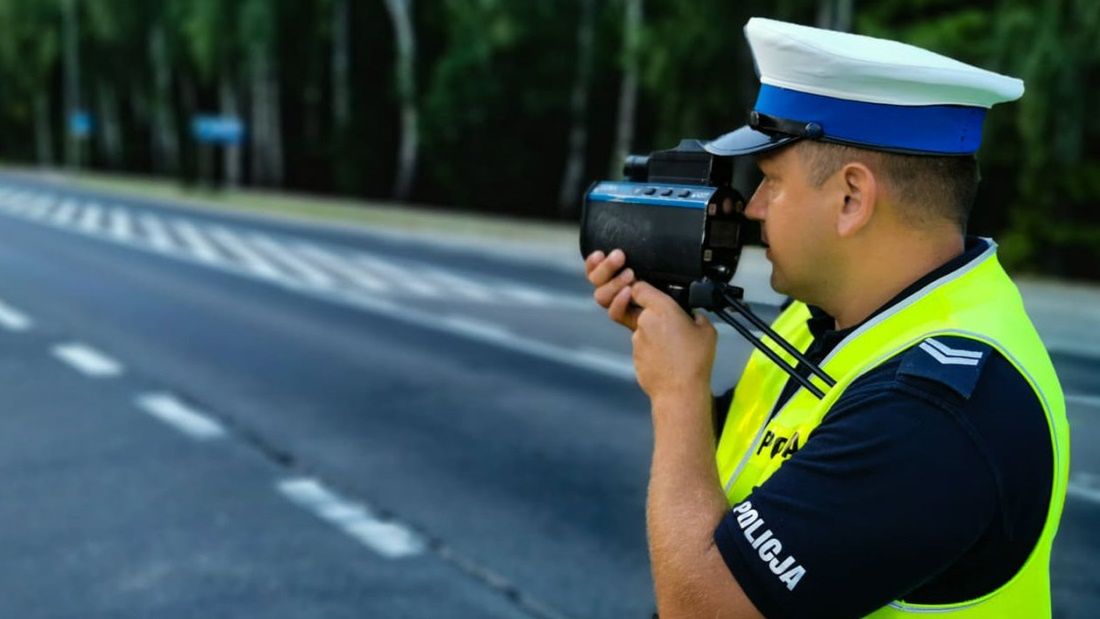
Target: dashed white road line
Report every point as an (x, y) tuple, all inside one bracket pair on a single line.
[(88, 360), (170, 410), (387, 538), (12, 319)]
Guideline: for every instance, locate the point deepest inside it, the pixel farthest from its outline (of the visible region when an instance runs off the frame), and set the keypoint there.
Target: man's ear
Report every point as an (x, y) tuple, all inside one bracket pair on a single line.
[(860, 199)]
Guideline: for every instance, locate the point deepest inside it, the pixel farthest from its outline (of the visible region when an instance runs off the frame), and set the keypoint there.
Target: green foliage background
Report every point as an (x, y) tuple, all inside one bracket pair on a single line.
[(493, 84)]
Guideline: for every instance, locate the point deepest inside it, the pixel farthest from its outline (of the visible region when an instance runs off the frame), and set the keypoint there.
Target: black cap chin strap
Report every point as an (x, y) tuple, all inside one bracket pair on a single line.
[(797, 128)]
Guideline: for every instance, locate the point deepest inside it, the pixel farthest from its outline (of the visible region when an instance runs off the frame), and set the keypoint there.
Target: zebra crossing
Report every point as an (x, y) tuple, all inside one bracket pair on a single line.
[(299, 262)]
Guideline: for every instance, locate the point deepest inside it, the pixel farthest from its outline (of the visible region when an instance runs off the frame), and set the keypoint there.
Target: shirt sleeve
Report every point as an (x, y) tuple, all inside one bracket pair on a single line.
[(889, 491)]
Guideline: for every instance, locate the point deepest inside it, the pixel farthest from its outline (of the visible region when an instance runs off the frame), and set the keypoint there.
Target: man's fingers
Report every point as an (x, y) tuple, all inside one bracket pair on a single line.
[(604, 294), (645, 295), (592, 260), (621, 311), (607, 268)]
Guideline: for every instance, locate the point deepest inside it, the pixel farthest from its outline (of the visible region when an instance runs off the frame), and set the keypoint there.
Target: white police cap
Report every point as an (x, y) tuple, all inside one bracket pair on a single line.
[(859, 90)]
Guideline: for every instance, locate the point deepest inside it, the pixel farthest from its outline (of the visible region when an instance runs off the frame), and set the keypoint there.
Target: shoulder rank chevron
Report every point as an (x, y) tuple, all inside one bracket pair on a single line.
[(953, 361), (950, 356)]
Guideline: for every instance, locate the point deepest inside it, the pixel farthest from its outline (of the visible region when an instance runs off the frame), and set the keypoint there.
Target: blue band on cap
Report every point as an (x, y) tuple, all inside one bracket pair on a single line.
[(940, 129)]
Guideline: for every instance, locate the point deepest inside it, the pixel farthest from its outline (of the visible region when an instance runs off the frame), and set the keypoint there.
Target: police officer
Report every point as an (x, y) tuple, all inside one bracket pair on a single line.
[(931, 478)]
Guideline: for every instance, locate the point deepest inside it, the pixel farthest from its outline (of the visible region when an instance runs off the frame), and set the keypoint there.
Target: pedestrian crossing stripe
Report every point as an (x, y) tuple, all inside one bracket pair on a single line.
[(295, 261)]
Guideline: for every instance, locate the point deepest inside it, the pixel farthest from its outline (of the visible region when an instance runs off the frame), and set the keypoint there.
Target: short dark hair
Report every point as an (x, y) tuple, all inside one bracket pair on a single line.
[(928, 186)]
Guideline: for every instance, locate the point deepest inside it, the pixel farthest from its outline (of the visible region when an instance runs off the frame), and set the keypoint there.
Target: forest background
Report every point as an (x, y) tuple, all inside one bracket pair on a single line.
[(514, 106)]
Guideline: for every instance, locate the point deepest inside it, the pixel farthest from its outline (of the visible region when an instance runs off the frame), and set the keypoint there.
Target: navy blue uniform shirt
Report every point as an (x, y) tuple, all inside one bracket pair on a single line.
[(927, 481)]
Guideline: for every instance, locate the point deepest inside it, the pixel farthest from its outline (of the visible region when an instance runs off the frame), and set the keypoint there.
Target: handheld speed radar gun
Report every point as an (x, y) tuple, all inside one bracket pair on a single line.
[(679, 220)]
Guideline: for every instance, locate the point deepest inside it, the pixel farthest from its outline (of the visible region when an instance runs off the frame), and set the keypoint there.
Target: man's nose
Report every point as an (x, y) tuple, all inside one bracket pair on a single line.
[(756, 209)]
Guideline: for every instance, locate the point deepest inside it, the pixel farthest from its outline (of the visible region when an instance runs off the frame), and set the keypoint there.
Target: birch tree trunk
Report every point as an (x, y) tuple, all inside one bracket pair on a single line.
[(231, 156), (267, 150), (628, 88), (72, 82), (835, 14), (275, 127), (341, 97), (404, 68), (258, 125), (578, 107), (165, 139), (43, 138), (110, 134)]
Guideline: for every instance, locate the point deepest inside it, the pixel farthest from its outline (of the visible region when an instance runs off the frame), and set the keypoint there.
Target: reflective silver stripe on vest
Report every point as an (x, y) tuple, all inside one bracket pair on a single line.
[(910, 300)]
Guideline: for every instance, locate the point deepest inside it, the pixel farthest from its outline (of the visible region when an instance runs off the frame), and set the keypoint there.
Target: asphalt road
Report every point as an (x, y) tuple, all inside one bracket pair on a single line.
[(216, 415)]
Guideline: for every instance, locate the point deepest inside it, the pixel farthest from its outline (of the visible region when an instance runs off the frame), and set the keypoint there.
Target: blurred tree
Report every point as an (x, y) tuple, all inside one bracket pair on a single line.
[(28, 57), (400, 12), (1041, 193), (513, 106), (341, 51), (628, 88), (258, 31), (164, 42), (569, 192), (214, 44)]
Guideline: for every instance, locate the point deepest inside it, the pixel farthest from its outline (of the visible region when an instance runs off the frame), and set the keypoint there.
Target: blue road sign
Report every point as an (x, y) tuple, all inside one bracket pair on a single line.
[(80, 123), (227, 130)]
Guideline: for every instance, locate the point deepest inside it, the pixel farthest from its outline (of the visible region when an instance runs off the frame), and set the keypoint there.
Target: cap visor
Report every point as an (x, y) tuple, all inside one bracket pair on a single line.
[(747, 141)]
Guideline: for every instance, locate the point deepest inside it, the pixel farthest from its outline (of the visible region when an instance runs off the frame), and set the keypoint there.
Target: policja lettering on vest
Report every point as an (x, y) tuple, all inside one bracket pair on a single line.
[(769, 547), (777, 444)]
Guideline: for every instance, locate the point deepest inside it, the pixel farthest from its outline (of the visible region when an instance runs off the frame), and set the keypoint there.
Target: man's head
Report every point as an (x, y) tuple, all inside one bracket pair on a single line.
[(824, 208), (845, 220)]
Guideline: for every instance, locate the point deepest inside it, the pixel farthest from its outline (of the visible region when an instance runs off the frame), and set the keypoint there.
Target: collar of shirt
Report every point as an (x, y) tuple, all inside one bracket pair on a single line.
[(822, 325)]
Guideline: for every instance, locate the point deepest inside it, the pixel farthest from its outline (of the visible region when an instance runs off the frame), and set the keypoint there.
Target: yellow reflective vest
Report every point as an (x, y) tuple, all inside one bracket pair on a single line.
[(977, 301)]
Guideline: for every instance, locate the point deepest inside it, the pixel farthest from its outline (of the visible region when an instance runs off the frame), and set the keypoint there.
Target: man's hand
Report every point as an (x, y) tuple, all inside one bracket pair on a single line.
[(673, 354), (601, 271)]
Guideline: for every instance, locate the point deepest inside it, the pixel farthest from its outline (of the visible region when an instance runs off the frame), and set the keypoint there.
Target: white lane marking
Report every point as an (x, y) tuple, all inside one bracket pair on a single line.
[(208, 256), (527, 295), (121, 228), (403, 278), (1083, 399), (385, 537), (64, 213), (282, 254), (614, 363), (245, 254), (90, 217), (12, 319), (88, 360), (1084, 486), (458, 285), (198, 244), (342, 267), (156, 233), (170, 410), (606, 363)]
